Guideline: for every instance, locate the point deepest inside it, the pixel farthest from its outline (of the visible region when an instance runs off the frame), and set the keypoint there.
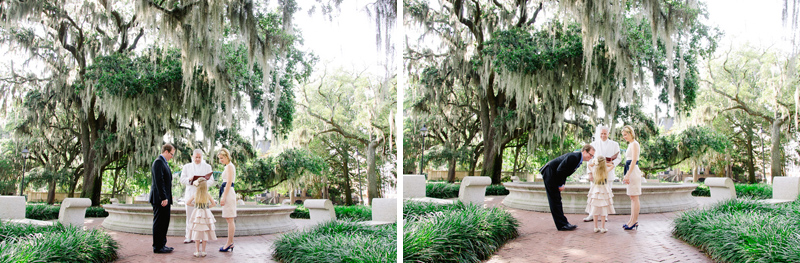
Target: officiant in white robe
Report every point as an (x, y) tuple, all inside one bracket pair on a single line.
[(198, 166), (607, 148)]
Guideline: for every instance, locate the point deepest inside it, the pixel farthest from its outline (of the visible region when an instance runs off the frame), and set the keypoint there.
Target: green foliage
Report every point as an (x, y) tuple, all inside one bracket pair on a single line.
[(339, 241), (668, 150), (49, 212), (122, 76), (445, 190), (748, 191), (454, 232), (441, 190), (57, 243), (741, 230), (350, 213), (517, 50), (264, 173)]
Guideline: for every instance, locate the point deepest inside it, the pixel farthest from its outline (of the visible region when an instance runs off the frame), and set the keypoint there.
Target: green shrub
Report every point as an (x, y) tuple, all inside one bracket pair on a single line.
[(454, 232), (754, 191), (49, 212), (496, 189), (301, 212), (57, 243), (445, 190), (339, 241), (354, 213), (743, 230), (441, 190)]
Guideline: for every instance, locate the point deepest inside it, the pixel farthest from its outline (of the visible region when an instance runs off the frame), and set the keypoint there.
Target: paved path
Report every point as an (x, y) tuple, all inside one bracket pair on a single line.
[(138, 248), (539, 241)]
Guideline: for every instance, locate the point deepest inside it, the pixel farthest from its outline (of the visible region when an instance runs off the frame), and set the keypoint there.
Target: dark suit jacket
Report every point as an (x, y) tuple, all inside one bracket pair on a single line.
[(562, 167), (161, 189)]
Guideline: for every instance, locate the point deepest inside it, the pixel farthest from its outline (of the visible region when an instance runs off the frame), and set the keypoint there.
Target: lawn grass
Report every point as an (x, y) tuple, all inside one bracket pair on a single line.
[(743, 230)]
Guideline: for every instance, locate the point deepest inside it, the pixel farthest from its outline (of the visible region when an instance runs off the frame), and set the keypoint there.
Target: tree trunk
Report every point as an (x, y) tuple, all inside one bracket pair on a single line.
[(451, 170), (751, 169), (372, 174), (493, 162), (51, 191), (777, 152), (348, 192)]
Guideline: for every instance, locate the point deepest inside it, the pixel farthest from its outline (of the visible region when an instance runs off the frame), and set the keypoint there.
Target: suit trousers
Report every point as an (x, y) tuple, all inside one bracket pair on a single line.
[(554, 199), (161, 216)]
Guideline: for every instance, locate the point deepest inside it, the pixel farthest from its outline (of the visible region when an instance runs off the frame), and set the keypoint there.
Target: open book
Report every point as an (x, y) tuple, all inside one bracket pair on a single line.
[(207, 176), (609, 159)]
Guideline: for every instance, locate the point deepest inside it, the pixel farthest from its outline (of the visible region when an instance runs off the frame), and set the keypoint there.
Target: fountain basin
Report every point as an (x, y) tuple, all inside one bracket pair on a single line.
[(655, 198), (251, 220)]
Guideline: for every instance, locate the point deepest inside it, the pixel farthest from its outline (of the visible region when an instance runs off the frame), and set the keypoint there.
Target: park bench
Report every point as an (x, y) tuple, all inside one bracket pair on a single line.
[(784, 190), (473, 189), (12, 207), (721, 188), (384, 211), (320, 210), (413, 186), (73, 211)]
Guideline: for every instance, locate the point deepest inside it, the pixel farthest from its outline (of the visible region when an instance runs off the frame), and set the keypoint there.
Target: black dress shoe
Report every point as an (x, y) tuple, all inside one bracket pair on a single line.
[(170, 248), (162, 250), (568, 227)]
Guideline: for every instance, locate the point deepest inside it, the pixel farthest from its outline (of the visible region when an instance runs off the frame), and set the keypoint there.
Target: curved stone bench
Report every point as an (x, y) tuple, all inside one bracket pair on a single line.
[(473, 189), (413, 186), (784, 190), (12, 207), (721, 188), (320, 210), (73, 211)]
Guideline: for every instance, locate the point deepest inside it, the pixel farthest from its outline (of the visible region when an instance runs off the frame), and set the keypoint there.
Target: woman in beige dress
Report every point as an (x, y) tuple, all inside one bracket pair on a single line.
[(228, 196), (633, 176)]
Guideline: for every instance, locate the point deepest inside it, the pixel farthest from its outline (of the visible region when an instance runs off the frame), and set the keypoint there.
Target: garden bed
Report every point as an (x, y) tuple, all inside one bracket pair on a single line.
[(339, 241), (354, 213), (754, 191), (743, 230), (447, 190), (454, 232), (56, 243), (49, 212)]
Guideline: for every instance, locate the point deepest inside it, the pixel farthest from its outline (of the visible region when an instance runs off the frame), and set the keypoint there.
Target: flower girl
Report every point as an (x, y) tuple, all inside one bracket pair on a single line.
[(600, 202), (202, 219)]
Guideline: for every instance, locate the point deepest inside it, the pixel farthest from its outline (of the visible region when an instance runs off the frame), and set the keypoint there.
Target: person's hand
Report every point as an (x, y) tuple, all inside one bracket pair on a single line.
[(164, 203), (222, 202), (626, 180), (561, 188)]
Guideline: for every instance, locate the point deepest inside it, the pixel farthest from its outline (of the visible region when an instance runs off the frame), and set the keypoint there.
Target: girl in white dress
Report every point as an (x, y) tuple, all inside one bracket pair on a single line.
[(633, 176), (228, 196), (600, 201), (202, 220)]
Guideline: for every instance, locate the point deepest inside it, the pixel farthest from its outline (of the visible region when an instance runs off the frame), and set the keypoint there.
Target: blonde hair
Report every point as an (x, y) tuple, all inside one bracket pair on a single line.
[(226, 153), (600, 172), (201, 197), (630, 131)]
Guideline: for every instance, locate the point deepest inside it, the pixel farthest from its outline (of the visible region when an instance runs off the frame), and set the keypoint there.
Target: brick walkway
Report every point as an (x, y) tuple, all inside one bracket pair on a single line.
[(539, 241), (138, 248)]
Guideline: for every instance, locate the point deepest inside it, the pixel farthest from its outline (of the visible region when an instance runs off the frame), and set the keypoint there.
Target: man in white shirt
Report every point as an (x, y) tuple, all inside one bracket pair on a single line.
[(608, 148), (198, 166)]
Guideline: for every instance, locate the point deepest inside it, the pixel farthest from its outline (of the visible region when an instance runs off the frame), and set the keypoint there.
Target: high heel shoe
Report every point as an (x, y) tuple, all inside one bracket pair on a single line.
[(226, 249), (634, 226)]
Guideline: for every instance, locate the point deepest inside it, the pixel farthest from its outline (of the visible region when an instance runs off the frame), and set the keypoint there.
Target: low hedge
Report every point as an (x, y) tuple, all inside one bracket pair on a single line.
[(56, 243), (454, 232), (743, 230), (354, 213), (446, 190), (753, 191), (338, 241), (48, 212)]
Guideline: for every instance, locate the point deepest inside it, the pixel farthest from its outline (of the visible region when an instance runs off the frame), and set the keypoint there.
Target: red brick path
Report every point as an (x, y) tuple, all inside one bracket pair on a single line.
[(539, 241)]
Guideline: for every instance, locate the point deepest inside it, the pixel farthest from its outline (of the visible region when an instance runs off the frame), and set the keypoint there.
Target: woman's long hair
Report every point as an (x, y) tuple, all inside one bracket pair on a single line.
[(600, 172), (202, 196)]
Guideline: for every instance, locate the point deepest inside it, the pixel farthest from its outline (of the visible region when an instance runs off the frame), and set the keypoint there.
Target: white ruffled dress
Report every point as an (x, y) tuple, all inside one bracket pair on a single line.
[(203, 223), (601, 200)]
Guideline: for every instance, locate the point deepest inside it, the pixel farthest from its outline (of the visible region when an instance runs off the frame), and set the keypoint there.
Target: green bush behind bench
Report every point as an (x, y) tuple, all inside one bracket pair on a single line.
[(48, 212), (743, 230), (753, 191), (55, 243), (447, 190), (354, 213)]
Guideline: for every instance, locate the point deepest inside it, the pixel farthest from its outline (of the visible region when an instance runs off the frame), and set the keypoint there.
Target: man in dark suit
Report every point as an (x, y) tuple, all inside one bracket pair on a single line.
[(161, 198), (555, 175)]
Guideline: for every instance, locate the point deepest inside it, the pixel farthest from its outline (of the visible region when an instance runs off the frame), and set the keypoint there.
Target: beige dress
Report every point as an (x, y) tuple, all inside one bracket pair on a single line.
[(229, 209), (601, 202), (203, 223), (635, 175)]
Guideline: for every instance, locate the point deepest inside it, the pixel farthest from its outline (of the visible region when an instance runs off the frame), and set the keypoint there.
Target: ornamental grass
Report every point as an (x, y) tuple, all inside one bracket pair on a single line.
[(339, 241), (56, 243)]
